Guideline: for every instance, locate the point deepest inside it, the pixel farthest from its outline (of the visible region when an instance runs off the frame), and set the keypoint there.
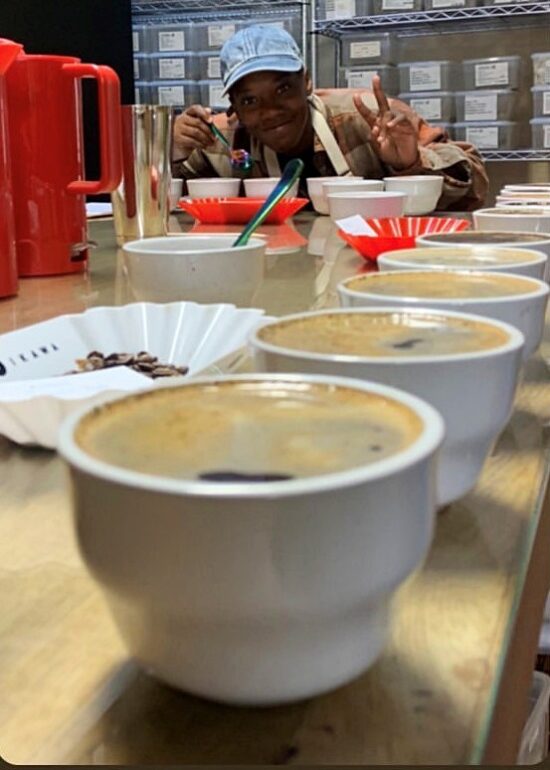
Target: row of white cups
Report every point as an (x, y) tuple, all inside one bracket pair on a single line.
[(268, 592)]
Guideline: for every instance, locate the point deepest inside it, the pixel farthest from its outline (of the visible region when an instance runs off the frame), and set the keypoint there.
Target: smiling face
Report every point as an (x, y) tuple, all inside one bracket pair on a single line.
[(273, 107)]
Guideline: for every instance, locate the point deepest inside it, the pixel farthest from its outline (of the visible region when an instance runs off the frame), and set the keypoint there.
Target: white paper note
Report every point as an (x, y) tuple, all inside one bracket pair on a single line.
[(356, 225)]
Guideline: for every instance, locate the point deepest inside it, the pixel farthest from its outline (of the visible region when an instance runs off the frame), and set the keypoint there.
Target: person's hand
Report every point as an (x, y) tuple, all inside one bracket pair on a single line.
[(393, 136), (191, 131)]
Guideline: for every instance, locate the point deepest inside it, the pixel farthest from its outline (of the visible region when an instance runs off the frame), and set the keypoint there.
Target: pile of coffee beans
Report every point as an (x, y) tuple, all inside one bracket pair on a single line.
[(141, 362)]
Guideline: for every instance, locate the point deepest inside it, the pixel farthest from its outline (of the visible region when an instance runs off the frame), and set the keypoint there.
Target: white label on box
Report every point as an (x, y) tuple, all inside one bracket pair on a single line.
[(480, 107), (430, 109), (425, 77), (492, 74), (448, 3), (546, 137), (360, 79), (136, 69), (219, 33), (214, 69), (216, 98), (365, 49), (339, 9), (171, 69), (486, 136), (546, 103), (171, 95), (397, 5), (135, 41), (173, 40)]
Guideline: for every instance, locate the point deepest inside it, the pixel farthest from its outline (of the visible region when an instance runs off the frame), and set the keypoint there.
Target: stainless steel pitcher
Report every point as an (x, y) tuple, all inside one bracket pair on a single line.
[(141, 203)]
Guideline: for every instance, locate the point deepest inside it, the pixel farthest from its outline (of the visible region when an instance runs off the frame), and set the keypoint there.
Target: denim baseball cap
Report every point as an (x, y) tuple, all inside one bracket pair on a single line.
[(257, 48)]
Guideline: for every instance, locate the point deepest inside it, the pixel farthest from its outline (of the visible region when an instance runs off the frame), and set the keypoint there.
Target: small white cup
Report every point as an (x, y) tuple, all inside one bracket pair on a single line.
[(423, 191), (218, 187), (366, 204), (317, 194), (260, 188)]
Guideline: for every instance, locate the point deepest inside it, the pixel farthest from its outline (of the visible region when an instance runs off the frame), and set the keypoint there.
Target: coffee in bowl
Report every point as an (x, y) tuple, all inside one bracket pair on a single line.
[(395, 334), (451, 285), (248, 592), (529, 262), (499, 296), (463, 364), (248, 431)]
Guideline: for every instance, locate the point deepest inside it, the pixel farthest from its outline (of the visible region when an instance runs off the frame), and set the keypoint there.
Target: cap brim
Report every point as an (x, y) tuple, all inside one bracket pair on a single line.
[(276, 63)]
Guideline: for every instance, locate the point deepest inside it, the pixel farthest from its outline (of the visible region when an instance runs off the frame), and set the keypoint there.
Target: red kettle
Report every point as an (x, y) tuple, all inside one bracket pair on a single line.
[(47, 157), (8, 263)]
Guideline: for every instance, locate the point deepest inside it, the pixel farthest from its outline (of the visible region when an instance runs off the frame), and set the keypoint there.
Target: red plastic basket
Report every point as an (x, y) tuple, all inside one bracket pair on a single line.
[(238, 211), (399, 233)]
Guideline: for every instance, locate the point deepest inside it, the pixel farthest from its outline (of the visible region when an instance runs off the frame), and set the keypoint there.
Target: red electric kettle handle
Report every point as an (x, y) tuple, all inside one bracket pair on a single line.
[(110, 141)]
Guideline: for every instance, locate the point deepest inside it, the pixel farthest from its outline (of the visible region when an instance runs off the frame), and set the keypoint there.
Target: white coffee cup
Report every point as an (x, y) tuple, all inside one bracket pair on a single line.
[(257, 592), (473, 391), (517, 300)]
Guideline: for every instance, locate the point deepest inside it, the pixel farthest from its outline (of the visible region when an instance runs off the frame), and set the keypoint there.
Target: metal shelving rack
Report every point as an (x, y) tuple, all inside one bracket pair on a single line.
[(525, 155), (450, 20), (144, 11), (421, 22)]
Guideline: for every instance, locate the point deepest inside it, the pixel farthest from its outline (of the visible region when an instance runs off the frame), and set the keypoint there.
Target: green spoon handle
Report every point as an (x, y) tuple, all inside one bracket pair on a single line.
[(291, 172), (218, 134)]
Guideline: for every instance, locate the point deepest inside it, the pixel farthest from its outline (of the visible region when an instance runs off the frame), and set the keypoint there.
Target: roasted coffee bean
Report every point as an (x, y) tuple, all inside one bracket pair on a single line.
[(142, 362)]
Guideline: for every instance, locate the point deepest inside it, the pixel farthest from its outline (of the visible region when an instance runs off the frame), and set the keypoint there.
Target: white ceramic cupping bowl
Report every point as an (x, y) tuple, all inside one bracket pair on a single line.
[(473, 392), (317, 194), (518, 219), (218, 187), (256, 593), (199, 268), (496, 238), (261, 188), (366, 204), (423, 191), (529, 262), (524, 311)]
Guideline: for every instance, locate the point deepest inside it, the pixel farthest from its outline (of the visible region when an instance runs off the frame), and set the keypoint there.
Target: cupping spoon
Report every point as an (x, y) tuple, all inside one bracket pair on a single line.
[(291, 172), (240, 159)]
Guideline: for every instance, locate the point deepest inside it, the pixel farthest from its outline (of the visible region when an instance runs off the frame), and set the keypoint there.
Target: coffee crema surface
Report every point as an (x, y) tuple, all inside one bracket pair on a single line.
[(248, 430), (449, 285), (383, 334)]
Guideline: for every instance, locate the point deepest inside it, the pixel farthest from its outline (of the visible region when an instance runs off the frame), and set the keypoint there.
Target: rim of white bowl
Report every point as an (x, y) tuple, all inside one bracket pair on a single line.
[(517, 212), (515, 338), (425, 445), (149, 246), (414, 178), (368, 194), (541, 289), (539, 238), (387, 258)]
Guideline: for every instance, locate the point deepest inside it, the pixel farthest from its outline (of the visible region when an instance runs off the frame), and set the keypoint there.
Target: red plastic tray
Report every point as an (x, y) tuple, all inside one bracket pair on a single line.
[(238, 211), (399, 233)]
